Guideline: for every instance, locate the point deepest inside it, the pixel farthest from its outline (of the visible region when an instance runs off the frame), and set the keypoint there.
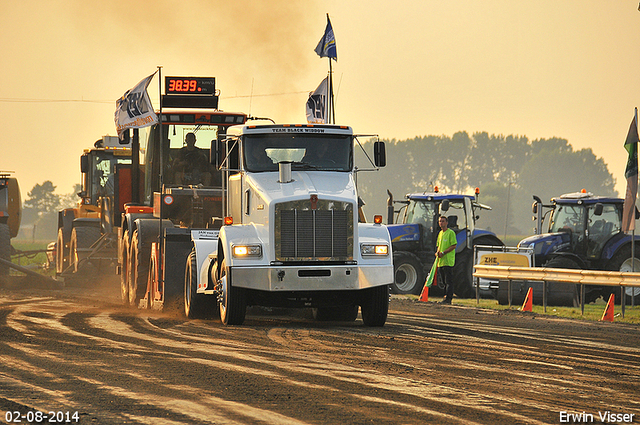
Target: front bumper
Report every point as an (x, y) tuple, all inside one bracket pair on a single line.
[(311, 278)]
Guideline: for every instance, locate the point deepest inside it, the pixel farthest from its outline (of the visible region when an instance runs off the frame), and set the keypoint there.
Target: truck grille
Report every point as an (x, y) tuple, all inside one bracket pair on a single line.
[(320, 234)]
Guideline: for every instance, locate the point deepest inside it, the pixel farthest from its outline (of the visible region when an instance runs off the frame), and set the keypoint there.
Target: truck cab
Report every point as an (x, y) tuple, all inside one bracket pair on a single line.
[(295, 239)]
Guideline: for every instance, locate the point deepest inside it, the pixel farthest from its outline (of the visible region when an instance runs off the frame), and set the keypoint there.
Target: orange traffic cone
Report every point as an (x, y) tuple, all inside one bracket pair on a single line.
[(607, 316), (424, 296), (527, 305)]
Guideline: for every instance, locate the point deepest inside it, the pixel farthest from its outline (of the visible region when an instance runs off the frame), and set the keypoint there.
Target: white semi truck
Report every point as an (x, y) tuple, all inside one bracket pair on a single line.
[(291, 235)]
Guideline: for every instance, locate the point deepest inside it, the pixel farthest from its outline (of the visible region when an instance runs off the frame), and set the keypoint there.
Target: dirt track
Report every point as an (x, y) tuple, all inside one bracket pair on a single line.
[(79, 350)]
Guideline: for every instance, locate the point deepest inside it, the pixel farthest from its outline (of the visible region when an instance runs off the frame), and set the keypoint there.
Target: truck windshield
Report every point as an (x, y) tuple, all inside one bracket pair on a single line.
[(104, 164), (567, 218), (263, 152)]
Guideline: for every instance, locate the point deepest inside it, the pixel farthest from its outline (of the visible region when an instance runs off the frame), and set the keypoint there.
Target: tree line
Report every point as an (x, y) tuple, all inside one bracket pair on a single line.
[(508, 170)]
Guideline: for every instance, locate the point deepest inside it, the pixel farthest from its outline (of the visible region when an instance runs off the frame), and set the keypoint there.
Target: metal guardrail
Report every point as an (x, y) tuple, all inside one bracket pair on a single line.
[(547, 274)]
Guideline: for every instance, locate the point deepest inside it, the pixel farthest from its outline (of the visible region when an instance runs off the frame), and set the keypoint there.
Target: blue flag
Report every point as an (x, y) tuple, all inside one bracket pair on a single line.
[(326, 47)]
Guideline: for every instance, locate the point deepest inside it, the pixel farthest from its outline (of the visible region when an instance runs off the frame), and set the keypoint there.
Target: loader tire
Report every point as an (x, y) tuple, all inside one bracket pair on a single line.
[(561, 293), (82, 238), (622, 262), (463, 275), (5, 250), (62, 252), (408, 274)]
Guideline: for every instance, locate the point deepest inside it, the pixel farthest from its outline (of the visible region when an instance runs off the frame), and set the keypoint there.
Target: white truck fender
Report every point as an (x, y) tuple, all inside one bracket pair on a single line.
[(242, 234), (205, 243)]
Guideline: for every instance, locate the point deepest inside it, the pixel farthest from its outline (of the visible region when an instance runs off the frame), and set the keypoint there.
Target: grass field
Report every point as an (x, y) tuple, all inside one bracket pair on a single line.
[(592, 311), (32, 260)]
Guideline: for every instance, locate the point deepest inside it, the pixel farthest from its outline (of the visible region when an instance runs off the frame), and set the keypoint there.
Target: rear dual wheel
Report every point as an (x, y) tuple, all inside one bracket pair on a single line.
[(138, 270)]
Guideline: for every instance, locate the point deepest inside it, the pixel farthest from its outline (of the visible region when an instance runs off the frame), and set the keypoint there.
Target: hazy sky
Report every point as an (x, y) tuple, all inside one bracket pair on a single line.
[(542, 68)]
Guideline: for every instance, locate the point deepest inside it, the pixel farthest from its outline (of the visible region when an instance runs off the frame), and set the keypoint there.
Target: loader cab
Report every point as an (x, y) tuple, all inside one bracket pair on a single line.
[(163, 147), (98, 167), (425, 209), (587, 222)]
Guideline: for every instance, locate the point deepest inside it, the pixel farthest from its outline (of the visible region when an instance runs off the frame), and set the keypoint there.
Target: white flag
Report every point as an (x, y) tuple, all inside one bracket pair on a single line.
[(134, 109), (317, 104)]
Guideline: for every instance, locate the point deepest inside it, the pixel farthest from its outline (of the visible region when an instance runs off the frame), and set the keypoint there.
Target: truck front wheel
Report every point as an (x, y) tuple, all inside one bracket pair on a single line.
[(233, 302), (409, 275), (375, 306)]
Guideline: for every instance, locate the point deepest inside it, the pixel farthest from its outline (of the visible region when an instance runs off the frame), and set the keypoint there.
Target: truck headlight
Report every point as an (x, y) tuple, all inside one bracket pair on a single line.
[(247, 251), (368, 250)]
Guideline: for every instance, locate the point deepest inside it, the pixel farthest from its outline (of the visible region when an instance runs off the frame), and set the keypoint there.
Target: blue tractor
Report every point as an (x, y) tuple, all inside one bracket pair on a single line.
[(584, 232), (413, 238)]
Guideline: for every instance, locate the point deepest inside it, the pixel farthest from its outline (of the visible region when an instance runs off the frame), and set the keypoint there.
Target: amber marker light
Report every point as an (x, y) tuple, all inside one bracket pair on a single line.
[(228, 221), (377, 219)]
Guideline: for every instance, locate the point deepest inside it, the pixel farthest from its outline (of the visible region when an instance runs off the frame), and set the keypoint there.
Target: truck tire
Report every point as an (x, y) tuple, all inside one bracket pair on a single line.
[(622, 262), (196, 306), (124, 269), (5, 250), (375, 306), (408, 274), (82, 238), (463, 275), (138, 270), (336, 314), (233, 302), (62, 251), (561, 293)]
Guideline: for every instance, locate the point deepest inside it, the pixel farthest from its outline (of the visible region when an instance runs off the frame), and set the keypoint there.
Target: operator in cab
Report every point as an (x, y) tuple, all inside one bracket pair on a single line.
[(191, 165)]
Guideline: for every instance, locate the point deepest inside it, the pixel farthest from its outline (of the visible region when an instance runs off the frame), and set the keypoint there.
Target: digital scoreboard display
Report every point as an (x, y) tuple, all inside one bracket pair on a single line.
[(190, 85)]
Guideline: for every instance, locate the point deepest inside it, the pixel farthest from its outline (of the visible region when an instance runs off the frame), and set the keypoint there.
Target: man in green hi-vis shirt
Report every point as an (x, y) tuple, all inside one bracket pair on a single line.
[(446, 257)]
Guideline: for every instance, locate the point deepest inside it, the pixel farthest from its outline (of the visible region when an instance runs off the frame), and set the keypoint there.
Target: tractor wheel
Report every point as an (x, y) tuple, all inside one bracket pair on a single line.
[(5, 250), (233, 302), (138, 270), (463, 275), (196, 306), (336, 314), (623, 262), (62, 250), (409, 275), (375, 306), (80, 246), (124, 269), (562, 293)]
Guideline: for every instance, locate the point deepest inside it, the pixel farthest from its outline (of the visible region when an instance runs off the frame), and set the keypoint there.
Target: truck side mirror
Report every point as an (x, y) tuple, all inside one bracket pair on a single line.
[(84, 164), (379, 154), (534, 208), (598, 209), (444, 206)]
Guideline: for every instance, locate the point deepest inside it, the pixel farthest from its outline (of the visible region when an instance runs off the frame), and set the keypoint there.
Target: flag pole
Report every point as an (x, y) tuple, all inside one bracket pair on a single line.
[(331, 107), (633, 232)]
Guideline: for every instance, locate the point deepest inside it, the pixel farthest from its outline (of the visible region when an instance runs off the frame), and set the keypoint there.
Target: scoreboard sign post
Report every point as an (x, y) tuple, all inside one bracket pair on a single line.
[(190, 92)]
